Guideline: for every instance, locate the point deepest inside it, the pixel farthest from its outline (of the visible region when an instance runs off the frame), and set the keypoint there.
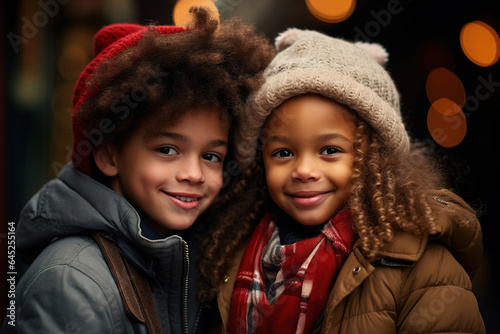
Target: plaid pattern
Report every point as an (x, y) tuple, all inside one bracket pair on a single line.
[(276, 282)]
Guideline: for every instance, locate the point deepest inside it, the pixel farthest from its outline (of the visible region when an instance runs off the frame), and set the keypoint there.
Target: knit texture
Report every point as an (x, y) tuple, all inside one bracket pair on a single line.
[(284, 288), (109, 42), (351, 74)]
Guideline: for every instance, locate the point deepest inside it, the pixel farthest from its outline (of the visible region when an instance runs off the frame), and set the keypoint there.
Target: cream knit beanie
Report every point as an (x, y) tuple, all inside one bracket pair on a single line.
[(350, 73)]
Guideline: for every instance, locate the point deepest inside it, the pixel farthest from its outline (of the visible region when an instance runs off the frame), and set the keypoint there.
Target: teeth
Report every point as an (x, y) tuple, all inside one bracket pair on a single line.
[(186, 199)]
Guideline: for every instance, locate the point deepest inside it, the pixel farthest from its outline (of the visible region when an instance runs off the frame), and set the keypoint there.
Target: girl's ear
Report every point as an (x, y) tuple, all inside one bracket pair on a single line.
[(105, 160)]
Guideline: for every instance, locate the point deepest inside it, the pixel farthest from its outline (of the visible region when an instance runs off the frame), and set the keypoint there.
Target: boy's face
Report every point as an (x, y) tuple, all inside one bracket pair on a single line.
[(308, 155), (172, 173)]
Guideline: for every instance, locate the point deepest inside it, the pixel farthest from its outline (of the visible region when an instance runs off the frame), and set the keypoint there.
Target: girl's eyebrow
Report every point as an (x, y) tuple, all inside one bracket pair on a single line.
[(324, 137), (180, 137), (331, 136), (278, 138)]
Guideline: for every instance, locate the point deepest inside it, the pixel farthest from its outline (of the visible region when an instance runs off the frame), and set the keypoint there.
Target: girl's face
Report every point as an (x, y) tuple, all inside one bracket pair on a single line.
[(308, 156), (172, 173)]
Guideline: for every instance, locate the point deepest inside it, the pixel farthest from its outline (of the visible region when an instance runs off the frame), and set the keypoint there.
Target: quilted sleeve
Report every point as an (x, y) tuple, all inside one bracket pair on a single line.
[(459, 229), (437, 296)]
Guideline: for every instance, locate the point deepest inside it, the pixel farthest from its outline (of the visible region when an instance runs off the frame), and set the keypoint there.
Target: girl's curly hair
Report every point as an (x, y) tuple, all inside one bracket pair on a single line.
[(387, 192), (390, 192), (166, 75)]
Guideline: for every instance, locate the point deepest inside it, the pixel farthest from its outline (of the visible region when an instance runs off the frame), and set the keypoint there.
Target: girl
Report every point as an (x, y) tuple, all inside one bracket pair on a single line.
[(353, 235)]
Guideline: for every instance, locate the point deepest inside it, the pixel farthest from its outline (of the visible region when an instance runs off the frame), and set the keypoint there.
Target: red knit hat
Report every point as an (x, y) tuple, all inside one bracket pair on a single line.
[(109, 42)]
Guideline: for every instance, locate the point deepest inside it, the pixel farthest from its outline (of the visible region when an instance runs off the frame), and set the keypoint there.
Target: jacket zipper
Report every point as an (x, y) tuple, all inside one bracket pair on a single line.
[(185, 324), (198, 316)]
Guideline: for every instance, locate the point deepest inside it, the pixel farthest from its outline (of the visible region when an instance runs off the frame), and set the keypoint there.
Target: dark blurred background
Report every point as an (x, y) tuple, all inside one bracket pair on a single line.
[(47, 43)]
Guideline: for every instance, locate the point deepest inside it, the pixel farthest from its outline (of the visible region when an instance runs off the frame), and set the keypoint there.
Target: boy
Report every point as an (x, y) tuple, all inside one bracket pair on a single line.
[(152, 120)]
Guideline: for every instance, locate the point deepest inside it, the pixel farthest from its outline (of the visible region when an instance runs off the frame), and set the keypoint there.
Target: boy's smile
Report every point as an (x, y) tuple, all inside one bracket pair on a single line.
[(172, 173), (308, 155)]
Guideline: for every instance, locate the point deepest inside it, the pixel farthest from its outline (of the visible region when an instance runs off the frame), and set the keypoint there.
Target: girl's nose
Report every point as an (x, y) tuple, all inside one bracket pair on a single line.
[(305, 170)]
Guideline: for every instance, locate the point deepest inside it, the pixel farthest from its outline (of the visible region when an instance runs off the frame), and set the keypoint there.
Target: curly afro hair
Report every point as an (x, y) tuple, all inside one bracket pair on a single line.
[(164, 76)]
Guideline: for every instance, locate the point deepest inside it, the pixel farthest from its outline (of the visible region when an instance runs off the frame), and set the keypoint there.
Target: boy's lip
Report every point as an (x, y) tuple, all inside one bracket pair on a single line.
[(308, 198), (184, 200)]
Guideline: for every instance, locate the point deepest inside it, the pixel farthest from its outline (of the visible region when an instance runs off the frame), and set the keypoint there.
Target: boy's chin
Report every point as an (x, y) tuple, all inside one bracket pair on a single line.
[(168, 228)]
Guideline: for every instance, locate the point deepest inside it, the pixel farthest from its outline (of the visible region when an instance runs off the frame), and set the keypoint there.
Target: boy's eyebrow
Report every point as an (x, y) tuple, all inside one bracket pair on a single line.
[(217, 143), (179, 137), (156, 134)]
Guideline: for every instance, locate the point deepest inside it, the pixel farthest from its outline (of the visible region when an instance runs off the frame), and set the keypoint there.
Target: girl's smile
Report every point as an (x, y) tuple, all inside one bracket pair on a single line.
[(309, 198), (308, 154)]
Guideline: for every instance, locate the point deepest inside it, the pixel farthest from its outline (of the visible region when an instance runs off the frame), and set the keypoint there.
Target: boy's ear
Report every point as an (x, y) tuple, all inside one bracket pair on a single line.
[(105, 160)]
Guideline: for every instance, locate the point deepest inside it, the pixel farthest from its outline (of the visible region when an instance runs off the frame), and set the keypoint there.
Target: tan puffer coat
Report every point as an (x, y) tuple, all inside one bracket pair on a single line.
[(419, 284)]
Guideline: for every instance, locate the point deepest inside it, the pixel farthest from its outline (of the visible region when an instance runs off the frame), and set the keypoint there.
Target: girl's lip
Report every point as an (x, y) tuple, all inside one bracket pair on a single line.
[(184, 200), (308, 198)]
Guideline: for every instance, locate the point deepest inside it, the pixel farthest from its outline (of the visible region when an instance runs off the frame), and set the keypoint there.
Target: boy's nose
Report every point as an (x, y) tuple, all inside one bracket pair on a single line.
[(190, 170), (305, 170)]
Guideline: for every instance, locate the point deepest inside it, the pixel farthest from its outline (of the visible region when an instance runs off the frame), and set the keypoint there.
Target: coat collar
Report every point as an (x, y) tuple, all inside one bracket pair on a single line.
[(456, 227), (405, 247)]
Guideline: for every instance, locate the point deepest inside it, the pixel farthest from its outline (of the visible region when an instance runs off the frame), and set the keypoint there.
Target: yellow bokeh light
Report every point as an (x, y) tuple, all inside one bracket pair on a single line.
[(331, 11), (443, 83), (480, 43), (446, 123), (181, 15)]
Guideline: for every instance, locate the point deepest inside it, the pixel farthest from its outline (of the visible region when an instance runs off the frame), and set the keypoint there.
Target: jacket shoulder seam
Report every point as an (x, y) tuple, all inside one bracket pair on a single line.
[(94, 276), (69, 263), (435, 286), (371, 311)]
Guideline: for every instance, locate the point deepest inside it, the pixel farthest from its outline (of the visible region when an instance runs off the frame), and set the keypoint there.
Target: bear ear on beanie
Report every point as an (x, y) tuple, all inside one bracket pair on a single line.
[(377, 51), (289, 36), (351, 74)]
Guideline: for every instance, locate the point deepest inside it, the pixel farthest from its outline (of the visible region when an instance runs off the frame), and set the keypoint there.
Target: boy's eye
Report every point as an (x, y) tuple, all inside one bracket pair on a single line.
[(282, 153), (211, 157), (330, 151), (167, 150)]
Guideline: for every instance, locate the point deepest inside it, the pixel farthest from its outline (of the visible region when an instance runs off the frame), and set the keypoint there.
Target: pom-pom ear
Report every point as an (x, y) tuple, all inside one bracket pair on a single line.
[(377, 51), (287, 38), (290, 36)]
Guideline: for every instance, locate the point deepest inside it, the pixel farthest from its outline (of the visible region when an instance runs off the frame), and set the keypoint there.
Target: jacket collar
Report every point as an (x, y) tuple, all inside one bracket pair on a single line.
[(456, 227), (405, 247), (75, 203)]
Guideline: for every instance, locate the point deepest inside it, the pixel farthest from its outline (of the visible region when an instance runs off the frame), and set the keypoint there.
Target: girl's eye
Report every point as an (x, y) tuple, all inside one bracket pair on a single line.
[(282, 153), (211, 157), (330, 151), (167, 150)]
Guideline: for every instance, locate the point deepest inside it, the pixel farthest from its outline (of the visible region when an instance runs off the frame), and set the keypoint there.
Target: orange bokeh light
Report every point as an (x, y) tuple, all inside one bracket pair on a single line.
[(331, 11), (446, 123), (480, 43), (443, 83), (181, 15)]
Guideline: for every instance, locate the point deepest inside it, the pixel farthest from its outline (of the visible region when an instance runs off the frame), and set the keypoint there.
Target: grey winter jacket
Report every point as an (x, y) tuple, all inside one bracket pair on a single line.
[(69, 288)]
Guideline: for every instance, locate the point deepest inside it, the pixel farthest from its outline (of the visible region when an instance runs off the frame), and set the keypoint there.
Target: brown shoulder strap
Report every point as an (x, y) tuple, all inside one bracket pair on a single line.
[(132, 284)]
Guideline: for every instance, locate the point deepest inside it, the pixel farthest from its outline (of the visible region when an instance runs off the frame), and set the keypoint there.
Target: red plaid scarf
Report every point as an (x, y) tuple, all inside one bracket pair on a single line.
[(267, 302)]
